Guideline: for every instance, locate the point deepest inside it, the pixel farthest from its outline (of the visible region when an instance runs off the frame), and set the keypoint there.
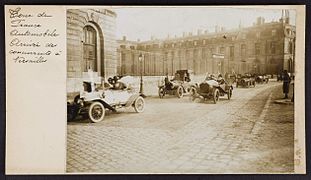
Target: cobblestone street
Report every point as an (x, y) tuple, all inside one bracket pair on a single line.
[(248, 134)]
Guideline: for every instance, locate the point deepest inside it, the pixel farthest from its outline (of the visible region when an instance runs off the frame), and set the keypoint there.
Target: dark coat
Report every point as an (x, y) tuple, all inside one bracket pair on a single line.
[(286, 82)]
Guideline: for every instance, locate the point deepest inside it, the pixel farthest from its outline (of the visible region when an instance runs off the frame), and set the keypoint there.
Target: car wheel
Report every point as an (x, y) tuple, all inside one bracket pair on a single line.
[(72, 113), (179, 92), (96, 112), (161, 92), (229, 93), (139, 104), (215, 95), (193, 93)]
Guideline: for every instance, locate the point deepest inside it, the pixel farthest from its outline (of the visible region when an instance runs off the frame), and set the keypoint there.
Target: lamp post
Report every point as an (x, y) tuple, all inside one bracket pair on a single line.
[(219, 64), (141, 90)]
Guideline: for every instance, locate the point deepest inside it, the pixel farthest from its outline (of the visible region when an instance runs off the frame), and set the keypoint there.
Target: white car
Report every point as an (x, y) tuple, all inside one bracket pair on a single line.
[(93, 102)]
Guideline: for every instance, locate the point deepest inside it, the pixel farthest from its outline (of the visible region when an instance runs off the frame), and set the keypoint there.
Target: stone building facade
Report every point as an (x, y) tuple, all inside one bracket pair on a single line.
[(265, 47), (91, 45)]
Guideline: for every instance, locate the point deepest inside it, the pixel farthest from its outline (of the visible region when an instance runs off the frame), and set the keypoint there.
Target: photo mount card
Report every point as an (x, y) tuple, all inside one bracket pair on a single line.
[(140, 90)]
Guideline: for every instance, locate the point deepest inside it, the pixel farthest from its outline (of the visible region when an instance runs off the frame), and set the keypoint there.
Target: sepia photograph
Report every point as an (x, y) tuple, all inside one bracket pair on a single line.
[(206, 90)]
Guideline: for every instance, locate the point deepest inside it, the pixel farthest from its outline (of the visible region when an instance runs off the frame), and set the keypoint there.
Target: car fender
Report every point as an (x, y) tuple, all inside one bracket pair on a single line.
[(131, 100), (106, 105)]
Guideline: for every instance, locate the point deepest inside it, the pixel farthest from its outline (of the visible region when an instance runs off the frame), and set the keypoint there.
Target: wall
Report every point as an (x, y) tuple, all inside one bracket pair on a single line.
[(104, 21)]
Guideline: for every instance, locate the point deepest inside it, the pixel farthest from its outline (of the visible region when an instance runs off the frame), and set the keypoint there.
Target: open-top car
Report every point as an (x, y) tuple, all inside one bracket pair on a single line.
[(262, 79), (179, 85), (93, 101), (212, 88), (245, 80)]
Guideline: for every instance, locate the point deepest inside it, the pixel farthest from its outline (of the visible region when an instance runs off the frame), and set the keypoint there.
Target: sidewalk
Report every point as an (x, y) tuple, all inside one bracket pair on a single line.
[(287, 101)]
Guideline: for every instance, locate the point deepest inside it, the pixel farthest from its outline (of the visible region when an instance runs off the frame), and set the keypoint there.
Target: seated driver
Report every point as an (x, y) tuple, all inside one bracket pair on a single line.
[(220, 79), (168, 83)]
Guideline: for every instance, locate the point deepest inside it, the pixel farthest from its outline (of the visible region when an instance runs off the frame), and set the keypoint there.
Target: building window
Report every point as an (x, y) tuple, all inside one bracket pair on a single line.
[(243, 50), (222, 50), (89, 49), (274, 32), (212, 50), (231, 55), (257, 35), (272, 47), (257, 48), (123, 67), (204, 53), (290, 47)]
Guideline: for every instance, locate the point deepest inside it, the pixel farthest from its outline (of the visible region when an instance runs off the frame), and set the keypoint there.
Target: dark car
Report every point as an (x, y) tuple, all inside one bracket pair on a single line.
[(261, 79), (211, 88), (245, 80), (179, 85)]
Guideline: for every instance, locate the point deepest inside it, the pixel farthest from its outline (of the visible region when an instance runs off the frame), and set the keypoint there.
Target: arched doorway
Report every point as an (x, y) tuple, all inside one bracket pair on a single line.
[(89, 49)]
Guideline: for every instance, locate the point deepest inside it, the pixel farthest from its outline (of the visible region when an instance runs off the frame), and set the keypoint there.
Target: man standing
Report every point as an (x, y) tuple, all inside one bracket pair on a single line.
[(286, 82)]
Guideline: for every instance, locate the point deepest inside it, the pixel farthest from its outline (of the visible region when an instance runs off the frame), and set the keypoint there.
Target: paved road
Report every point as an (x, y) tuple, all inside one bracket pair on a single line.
[(247, 134)]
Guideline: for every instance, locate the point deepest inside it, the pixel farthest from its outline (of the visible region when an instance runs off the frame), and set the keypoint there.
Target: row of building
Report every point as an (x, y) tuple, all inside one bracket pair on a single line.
[(265, 47), (261, 48)]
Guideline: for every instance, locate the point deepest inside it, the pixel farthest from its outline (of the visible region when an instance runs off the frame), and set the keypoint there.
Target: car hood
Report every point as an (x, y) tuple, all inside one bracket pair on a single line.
[(211, 82)]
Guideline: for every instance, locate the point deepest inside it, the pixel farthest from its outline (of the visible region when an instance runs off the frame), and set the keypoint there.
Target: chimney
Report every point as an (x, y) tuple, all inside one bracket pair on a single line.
[(217, 28), (199, 32), (260, 21), (124, 38), (240, 24)]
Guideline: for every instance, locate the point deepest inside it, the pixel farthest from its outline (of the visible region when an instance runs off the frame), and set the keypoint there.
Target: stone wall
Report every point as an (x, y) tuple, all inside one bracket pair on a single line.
[(104, 22)]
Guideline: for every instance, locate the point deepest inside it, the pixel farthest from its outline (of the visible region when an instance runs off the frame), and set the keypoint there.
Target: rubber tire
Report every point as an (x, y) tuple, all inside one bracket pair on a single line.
[(136, 107), (92, 119), (179, 92), (215, 95), (193, 93), (161, 92), (71, 114)]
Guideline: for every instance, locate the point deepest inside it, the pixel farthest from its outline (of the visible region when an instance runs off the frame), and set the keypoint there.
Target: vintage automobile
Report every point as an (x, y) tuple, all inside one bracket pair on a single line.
[(262, 79), (245, 80), (179, 85), (211, 88), (93, 101)]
